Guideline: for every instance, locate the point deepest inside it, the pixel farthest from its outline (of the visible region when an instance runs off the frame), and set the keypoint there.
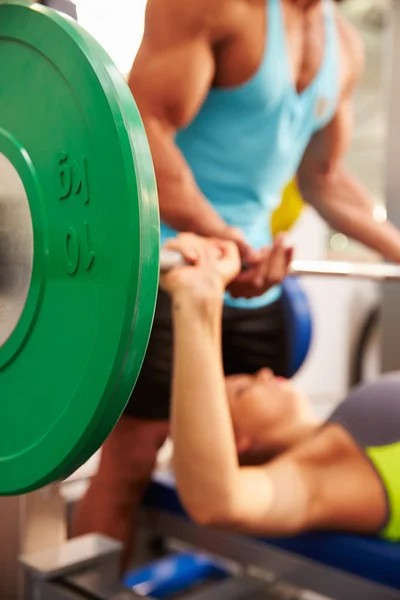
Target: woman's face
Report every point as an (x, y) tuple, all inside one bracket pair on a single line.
[(263, 405)]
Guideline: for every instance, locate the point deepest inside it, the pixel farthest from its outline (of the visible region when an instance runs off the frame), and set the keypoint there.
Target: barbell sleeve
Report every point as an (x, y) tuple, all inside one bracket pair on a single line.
[(325, 268)]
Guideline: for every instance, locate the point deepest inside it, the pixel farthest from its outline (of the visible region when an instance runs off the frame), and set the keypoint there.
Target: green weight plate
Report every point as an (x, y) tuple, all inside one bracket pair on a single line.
[(79, 246), (144, 169)]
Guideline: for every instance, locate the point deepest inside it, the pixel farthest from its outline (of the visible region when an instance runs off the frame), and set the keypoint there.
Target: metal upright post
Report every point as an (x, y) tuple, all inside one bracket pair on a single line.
[(28, 524)]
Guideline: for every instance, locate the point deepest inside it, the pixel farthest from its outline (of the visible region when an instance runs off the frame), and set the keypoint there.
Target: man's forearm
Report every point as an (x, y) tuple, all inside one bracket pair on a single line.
[(347, 206), (205, 460), (182, 205)]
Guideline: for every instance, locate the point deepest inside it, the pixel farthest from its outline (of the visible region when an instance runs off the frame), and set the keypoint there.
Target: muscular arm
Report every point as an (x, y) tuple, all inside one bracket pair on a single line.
[(215, 490), (170, 78), (332, 190)]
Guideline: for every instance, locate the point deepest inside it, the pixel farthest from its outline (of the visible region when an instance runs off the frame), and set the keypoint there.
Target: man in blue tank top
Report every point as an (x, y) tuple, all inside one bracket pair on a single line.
[(237, 97)]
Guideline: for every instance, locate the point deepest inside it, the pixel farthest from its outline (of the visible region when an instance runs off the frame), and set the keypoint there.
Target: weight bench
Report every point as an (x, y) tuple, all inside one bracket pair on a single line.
[(343, 567)]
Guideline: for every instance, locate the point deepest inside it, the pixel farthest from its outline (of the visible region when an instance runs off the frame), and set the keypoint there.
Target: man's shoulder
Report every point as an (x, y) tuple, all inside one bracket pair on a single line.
[(352, 49), (190, 17)]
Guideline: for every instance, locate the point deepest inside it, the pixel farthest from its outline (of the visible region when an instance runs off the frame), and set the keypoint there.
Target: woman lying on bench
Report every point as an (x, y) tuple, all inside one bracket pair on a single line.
[(296, 473)]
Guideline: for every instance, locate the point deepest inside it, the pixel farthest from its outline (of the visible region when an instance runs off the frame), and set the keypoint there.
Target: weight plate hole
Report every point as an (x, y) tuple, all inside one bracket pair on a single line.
[(16, 248)]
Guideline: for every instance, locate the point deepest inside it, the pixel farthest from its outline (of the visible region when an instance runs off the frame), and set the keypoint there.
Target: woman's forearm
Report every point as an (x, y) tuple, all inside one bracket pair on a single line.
[(205, 459)]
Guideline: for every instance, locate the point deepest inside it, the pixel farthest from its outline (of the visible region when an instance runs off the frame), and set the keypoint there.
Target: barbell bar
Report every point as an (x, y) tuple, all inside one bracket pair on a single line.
[(374, 271)]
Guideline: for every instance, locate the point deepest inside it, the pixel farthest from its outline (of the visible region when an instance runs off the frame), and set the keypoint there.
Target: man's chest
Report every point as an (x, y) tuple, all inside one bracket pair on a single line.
[(302, 39)]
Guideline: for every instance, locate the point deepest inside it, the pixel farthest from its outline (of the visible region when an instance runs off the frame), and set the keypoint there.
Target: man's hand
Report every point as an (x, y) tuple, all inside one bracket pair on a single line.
[(270, 268), (248, 255), (212, 265)]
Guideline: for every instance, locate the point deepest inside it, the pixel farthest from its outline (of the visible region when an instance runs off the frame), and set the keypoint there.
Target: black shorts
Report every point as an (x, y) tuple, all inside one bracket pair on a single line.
[(252, 339)]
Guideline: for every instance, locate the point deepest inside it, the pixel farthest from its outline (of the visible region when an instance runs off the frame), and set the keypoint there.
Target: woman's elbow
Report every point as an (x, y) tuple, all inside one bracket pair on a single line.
[(215, 520), (215, 516)]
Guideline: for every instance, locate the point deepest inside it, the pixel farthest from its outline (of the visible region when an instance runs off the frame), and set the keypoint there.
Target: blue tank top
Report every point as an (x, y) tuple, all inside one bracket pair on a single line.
[(246, 142)]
